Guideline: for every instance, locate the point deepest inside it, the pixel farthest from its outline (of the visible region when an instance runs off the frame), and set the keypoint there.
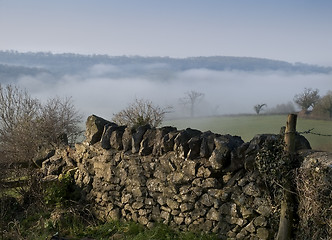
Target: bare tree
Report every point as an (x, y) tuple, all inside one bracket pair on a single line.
[(139, 113), (308, 98), (191, 99), (258, 108)]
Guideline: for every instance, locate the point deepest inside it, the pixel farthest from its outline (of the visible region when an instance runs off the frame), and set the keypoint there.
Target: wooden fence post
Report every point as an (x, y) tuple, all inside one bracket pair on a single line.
[(287, 204), (290, 133)]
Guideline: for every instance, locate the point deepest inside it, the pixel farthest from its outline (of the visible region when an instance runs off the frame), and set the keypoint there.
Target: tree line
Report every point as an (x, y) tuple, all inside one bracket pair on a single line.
[(310, 103), (73, 63)]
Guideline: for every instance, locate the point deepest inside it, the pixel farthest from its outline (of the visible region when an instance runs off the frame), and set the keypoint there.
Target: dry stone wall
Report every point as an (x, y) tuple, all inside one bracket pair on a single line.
[(189, 179)]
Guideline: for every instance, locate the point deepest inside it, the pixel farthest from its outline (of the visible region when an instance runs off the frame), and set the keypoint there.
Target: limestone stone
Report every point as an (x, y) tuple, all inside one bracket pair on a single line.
[(225, 208), (178, 220), (158, 141), (148, 142), (238, 158), (166, 209), (150, 225), (188, 220), (143, 212), (206, 200), (160, 175), (127, 139), (197, 213), (264, 210), (94, 128), (116, 138), (53, 165), (194, 147), (246, 212), (42, 155), (172, 204), (176, 177), (242, 234), (155, 185), (250, 227), (252, 190), (133, 216), (149, 201), (207, 144), (137, 205), (165, 215), (213, 214), (260, 221), (185, 207), (181, 145), (184, 189), (175, 212), (242, 182), (209, 183), (239, 199), (203, 172), (143, 220), (262, 233), (167, 142), (189, 168), (197, 182), (137, 191), (217, 159), (137, 137), (156, 214), (106, 135), (197, 191), (161, 200), (215, 193), (114, 214), (206, 226), (221, 156)]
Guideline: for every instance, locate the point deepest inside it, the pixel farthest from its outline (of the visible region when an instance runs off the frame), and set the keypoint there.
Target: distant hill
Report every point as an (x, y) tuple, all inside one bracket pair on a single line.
[(11, 72), (15, 64)]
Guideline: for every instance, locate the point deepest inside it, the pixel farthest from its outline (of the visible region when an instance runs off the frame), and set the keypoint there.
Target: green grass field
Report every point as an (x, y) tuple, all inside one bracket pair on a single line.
[(248, 126)]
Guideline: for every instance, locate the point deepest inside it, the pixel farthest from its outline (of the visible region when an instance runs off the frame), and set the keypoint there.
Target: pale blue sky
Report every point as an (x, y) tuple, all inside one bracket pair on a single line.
[(295, 31)]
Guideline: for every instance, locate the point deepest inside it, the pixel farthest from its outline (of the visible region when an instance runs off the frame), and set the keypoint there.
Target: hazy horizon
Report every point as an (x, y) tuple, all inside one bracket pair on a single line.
[(225, 92)]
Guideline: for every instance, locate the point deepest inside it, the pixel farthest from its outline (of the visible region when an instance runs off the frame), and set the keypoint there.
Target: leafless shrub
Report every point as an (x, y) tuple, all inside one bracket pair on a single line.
[(139, 113), (59, 116), (25, 126), (18, 123)]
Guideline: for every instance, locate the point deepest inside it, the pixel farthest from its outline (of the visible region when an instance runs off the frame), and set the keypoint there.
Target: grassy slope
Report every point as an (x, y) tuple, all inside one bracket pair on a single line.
[(248, 126)]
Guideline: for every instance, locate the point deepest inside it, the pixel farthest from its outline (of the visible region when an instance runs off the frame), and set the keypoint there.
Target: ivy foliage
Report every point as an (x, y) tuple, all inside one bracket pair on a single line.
[(275, 165), (63, 190)]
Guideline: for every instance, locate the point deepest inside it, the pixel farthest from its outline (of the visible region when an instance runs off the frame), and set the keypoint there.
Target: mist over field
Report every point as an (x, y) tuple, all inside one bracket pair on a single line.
[(106, 89)]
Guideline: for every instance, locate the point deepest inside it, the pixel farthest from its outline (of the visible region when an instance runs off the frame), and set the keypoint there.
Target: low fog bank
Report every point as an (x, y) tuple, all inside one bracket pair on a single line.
[(104, 89)]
